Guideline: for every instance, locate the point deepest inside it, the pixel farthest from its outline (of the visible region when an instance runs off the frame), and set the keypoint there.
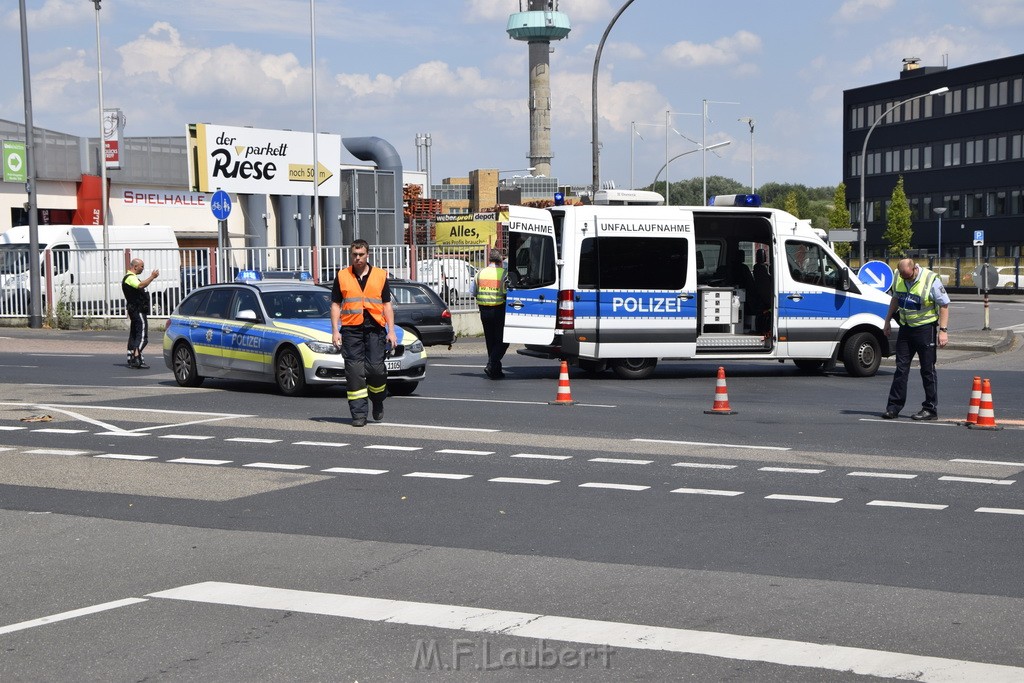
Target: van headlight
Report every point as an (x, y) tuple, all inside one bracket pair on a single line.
[(322, 347)]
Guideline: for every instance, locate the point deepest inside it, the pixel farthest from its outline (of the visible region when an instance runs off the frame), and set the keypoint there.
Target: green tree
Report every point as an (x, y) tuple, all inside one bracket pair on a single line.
[(899, 231), (792, 204), (839, 219)]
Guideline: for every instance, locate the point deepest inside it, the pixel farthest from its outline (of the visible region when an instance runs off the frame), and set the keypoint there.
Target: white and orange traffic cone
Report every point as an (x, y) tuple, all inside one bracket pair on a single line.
[(975, 404), (986, 415), (721, 405), (564, 396)]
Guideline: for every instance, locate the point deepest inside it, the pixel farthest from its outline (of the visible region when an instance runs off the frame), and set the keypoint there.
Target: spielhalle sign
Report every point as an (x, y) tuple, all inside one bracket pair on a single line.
[(259, 161)]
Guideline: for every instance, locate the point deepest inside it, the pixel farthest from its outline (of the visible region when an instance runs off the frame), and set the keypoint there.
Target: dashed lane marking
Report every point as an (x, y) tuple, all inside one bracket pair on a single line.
[(541, 456), (381, 447), (326, 444), (444, 427), (902, 504), (1001, 511), (828, 657), (353, 470), (199, 461), (618, 487), (716, 445), (622, 461), (704, 465), (54, 451), (523, 480), (249, 439), (989, 462), (883, 475), (790, 470), (492, 400), (456, 451), (708, 492), (805, 499), (11, 428), (125, 456), (186, 437), (58, 430), (978, 480), (276, 466), (437, 475)]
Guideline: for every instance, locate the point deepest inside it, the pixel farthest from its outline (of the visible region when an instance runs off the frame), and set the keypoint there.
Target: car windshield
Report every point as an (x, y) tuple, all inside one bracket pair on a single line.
[(307, 303)]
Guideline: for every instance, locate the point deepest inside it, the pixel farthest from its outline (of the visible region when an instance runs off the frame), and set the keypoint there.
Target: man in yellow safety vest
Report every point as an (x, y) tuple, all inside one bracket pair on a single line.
[(491, 287)]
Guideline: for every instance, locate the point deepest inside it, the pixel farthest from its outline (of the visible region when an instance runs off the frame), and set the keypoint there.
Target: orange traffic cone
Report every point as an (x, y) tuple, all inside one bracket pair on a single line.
[(986, 416), (721, 405), (975, 404), (564, 396)]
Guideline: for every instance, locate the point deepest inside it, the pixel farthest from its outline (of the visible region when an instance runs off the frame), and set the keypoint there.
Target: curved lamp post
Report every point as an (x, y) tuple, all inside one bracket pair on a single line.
[(863, 159), (683, 154), (939, 211), (593, 97)]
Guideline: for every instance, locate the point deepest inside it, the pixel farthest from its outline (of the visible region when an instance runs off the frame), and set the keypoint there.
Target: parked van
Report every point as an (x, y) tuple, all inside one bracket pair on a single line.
[(450, 277), (72, 265), (627, 286)]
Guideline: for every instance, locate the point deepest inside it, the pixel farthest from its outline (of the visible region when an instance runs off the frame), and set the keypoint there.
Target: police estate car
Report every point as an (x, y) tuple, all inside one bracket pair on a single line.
[(271, 331)]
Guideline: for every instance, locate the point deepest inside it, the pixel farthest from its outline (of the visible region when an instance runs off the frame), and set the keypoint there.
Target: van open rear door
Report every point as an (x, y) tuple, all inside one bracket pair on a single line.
[(531, 304)]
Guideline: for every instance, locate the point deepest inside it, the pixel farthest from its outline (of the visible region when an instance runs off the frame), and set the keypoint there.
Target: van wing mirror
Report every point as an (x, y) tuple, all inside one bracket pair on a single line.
[(844, 280), (247, 315)]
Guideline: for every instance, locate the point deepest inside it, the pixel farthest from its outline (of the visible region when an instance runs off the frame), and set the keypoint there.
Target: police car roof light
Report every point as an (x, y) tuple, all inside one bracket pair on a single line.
[(247, 275), (559, 199), (749, 200)]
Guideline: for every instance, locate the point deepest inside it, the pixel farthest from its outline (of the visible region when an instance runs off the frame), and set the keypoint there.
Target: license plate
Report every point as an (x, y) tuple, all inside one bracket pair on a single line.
[(393, 364)]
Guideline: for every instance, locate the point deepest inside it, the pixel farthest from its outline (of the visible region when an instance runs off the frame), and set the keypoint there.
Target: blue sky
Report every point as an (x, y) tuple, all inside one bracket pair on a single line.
[(396, 68)]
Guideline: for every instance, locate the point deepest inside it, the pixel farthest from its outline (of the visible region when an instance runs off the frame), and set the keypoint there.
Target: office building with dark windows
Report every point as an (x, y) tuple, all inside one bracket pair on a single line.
[(961, 151)]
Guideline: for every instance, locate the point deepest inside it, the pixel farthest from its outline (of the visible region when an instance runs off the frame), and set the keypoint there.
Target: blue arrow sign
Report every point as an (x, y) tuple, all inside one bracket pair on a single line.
[(876, 274), (220, 205)]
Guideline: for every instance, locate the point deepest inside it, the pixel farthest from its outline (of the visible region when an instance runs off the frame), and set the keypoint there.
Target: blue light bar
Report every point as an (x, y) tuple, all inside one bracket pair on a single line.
[(247, 275), (748, 200)]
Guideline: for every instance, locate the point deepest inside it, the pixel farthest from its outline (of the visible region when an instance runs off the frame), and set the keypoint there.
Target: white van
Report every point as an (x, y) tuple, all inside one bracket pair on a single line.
[(450, 277), (76, 265), (625, 286)]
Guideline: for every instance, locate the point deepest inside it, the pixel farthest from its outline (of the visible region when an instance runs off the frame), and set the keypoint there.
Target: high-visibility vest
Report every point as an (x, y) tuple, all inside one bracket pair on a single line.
[(136, 297), (356, 299), (490, 286), (917, 305)]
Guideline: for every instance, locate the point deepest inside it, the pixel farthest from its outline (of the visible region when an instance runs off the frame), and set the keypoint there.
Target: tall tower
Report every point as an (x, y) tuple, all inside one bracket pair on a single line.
[(538, 26)]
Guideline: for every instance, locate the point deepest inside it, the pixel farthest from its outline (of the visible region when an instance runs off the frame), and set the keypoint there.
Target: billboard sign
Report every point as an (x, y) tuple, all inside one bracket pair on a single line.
[(15, 162), (469, 228), (112, 125), (259, 161)]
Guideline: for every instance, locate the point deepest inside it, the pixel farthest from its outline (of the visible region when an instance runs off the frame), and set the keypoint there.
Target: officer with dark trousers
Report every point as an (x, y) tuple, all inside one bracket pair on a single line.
[(136, 300), (363, 325), (922, 304), (491, 288)]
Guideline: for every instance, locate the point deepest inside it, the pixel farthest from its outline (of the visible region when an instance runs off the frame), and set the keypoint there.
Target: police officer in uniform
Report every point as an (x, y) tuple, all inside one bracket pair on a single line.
[(363, 325), (922, 304), (137, 306), (491, 287)]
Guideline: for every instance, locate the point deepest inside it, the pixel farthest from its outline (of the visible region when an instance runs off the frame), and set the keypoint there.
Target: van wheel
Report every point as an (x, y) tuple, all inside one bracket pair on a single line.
[(862, 355), (809, 365), (289, 373), (183, 364), (634, 368), (593, 367)]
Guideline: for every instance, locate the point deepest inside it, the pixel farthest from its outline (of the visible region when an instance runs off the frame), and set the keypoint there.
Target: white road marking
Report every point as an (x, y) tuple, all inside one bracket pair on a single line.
[(212, 417), (704, 465), (978, 480), (708, 492), (716, 445), (276, 466), (55, 451), (249, 439), (492, 400), (353, 470), (521, 480), (989, 462), (125, 456), (61, 355), (901, 504), (456, 451), (857, 660), (123, 434), (58, 430), (445, 427), (63, 616), (931, 423), (11, 428), (394, 448), (200, 461), (541, 456), (618, 487), (437, 475), (622, 461), (186, 437), (26, 367), (790, 470), (806, 499), (883, 475), (1001, 511), (328, 444)]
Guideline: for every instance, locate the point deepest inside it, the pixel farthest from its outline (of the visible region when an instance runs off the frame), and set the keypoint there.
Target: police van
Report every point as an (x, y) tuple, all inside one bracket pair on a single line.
[(626, 286)]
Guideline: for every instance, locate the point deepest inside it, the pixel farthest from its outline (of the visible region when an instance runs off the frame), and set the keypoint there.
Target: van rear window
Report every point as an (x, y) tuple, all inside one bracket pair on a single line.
[(633, 263)]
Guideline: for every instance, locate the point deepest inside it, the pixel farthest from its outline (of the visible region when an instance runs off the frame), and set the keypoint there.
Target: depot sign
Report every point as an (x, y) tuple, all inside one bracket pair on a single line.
[(258, 161)]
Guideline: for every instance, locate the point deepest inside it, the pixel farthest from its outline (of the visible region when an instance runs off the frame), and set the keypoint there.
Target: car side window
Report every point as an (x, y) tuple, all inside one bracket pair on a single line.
[(193, 303), (246, 301), (219, 304)]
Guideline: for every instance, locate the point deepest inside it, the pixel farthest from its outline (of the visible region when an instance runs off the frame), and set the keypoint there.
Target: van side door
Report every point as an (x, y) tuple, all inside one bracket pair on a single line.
[(532, 299), (813, 308)]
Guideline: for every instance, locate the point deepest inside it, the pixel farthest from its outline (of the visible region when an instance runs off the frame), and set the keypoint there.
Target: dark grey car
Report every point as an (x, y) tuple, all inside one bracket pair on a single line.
[(420, 310)]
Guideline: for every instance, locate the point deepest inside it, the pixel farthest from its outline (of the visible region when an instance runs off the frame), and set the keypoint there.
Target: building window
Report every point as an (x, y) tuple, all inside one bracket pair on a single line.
[(996, 203), (953, 100), (892, 162), (975, 205), (857, 118), (954, 204), (974, 151), (1018, 90), (951, 154), (927, 157), (1015, 146), (1016, 202), (928, 106), (997, 149), (997, 93), (975, 97)]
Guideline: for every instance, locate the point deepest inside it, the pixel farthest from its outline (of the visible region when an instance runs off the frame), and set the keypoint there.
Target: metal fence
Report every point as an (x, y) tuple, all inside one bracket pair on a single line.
[(958, 273), (86, 283)]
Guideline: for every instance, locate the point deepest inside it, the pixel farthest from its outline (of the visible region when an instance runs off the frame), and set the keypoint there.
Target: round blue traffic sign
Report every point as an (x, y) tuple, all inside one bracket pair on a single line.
[(221, 205), (877, 274)]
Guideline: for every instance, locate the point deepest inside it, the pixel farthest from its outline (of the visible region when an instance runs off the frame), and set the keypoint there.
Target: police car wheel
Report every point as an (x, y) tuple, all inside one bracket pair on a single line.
[(183, 364), (862, 355), (289, 373), (401, 388), (634, 368)]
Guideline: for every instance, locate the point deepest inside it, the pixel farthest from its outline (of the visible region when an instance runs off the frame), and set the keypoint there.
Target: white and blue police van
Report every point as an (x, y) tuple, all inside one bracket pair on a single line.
[(624, 286)]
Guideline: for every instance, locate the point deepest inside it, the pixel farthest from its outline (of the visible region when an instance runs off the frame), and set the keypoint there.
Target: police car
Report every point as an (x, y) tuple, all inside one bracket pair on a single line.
[(271, 330)]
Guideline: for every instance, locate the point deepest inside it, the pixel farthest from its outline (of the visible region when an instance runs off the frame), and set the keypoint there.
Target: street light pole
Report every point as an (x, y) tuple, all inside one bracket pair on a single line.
[(102, 154), (35, 318), (683, 154), (750, 122), (593, 98), (863, 159), (941, 210)]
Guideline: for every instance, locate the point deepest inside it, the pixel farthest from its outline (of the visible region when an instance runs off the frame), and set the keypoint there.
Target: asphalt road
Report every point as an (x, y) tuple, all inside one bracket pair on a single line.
[(228, 533)]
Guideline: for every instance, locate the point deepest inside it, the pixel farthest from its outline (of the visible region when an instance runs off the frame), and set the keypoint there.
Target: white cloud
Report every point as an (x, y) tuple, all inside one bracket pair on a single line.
[(862, 10), (53, 13), (724, 51), (998, 13)]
